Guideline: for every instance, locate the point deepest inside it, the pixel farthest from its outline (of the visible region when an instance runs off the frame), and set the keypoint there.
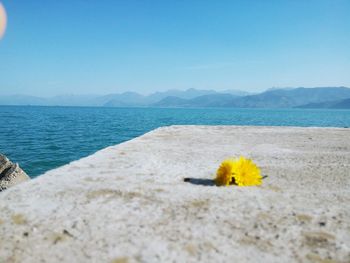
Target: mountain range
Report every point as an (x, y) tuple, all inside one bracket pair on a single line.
[(320, 97), (126, 99), (337, 104)]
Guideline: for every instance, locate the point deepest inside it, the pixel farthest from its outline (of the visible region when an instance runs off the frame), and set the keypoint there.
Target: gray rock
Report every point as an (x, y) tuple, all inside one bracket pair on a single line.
[(4, 163), (10, 173)]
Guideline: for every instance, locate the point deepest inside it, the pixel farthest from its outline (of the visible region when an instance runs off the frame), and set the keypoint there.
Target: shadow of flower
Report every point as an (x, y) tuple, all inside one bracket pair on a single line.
[(200, 181)]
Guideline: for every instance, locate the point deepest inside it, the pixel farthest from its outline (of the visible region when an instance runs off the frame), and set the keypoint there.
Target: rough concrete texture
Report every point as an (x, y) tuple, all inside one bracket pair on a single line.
[(129, 203), (10, 173)]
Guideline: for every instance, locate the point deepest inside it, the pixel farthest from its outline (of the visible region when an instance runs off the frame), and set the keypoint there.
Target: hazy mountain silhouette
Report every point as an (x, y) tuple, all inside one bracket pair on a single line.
[(237, 93), (22, 100), (126, 99), (121, 100), (327, 97), (338, 104), (212, 100), (286, 98), (273, 98)]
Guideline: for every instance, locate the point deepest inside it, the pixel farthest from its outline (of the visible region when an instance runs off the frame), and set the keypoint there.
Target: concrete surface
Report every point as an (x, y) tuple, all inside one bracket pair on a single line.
[(129, 203)]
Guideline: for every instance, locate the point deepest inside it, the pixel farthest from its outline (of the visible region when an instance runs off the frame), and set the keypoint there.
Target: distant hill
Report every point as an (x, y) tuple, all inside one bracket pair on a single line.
[(126, 99), (135, 99), (286, 98), (338, 104), (183, 94), (22, 100), (171, 101), (343, 104), (70, 100), (212, 100), (215, 100), (238, 93)]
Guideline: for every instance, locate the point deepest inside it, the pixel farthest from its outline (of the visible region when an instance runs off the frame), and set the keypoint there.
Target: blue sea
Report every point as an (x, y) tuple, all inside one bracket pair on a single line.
[(42, 138)]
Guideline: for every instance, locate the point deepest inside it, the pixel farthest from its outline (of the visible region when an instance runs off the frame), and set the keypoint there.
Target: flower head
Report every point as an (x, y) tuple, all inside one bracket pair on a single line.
[(224, 173), (241, 172), (246, 173)]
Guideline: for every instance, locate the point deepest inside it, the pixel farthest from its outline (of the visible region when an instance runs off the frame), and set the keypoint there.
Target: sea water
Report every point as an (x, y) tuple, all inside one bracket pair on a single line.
[(43, 138)]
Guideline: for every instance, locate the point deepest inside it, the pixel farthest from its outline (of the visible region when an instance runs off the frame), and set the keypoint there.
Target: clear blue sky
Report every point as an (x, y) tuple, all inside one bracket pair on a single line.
[(97, 47)]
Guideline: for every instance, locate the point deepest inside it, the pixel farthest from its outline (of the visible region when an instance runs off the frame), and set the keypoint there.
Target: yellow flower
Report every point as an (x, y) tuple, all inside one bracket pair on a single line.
[(246, 173), (241, 172), (224, 173)]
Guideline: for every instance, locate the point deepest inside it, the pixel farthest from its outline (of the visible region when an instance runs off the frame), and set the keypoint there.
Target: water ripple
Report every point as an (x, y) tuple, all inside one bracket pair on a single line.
[(42, 138)]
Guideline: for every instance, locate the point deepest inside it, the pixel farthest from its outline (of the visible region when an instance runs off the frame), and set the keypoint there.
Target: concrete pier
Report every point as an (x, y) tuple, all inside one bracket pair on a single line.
[(129, 202)]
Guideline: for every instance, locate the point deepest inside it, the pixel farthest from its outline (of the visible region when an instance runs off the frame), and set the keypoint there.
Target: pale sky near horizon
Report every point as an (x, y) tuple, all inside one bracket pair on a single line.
[(101, 47)]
